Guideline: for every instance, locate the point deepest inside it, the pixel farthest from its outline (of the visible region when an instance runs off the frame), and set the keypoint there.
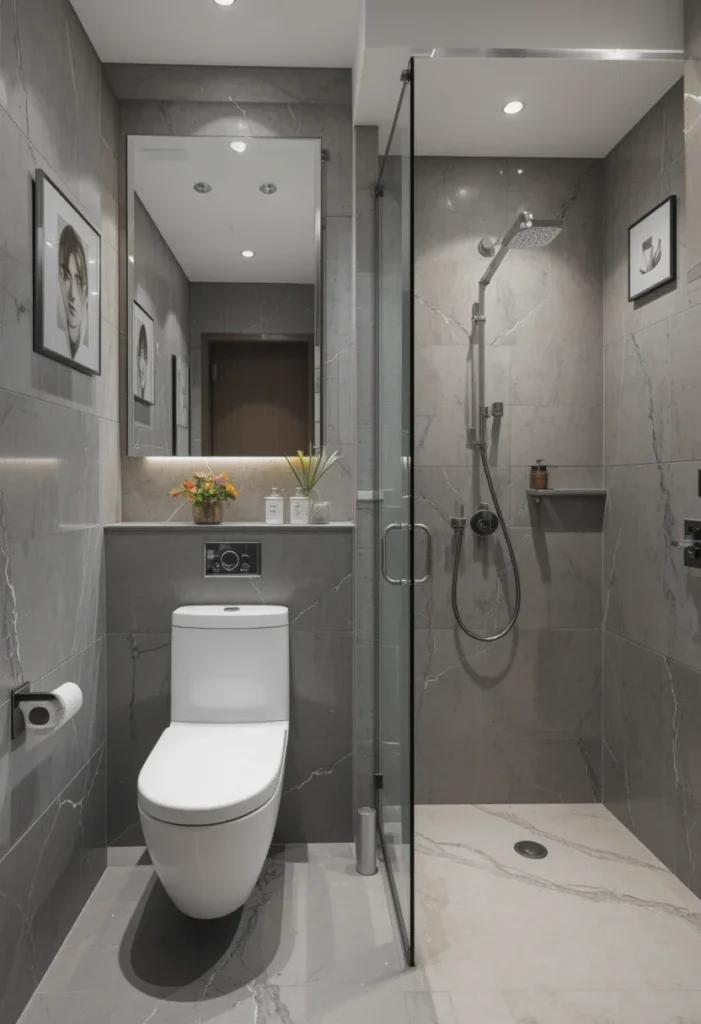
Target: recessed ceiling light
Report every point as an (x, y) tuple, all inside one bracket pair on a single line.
[(225, 3), (239, 147), (520, 170), (513, 107), (203, 187), (248, 253), (268, 188)]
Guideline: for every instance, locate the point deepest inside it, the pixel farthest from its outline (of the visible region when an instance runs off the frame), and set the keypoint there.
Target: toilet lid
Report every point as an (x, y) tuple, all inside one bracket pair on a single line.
[(208, 774)]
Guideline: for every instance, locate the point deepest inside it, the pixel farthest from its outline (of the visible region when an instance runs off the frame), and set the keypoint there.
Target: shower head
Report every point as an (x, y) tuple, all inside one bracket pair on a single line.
[(531, 233), (528, 232)]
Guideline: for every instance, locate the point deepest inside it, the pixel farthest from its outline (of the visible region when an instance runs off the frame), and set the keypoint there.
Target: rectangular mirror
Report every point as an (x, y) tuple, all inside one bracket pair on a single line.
[(224, 296)]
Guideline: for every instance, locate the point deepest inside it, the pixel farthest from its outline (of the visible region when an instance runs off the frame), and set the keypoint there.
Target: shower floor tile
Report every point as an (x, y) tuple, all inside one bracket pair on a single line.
[(598, 931), (315, 944)]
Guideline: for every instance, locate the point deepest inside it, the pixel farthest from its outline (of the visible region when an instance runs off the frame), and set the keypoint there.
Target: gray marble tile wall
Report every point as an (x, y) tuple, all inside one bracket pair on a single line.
[(277, 102), (59, 481), (652, 454), (242, 309), (366, 562), (519, 720), (152, 571), (163, 290), (692, 136)]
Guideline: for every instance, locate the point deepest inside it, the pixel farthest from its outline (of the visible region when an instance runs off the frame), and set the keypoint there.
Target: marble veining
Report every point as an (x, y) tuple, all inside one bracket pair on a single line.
[(485, 709), (10, 631), (652, 647), (281, 959), (596, 926), (308, 571), (59, 451)]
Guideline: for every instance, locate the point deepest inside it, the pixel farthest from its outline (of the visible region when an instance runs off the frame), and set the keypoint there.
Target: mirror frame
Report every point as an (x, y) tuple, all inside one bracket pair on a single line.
[(319, 324)]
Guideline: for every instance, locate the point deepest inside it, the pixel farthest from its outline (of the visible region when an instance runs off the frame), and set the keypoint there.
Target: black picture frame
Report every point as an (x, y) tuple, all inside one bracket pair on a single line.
[(46, 192), (670, 228), (148, 399)]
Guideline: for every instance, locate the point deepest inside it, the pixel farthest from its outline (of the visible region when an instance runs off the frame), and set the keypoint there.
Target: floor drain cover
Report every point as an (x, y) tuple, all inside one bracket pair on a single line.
[(529, 848)]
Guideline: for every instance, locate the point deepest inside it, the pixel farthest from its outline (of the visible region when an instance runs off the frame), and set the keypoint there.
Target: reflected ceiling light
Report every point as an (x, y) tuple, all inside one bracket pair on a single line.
[(513, 107), (239, 147), (203, 187), (520, 170), (247, 253), (268, 188)]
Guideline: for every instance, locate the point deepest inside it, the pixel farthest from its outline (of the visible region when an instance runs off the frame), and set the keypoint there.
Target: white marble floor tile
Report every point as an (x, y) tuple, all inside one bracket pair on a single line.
[(598, 914), (315, 944), (604, 1007), (471, 1008)]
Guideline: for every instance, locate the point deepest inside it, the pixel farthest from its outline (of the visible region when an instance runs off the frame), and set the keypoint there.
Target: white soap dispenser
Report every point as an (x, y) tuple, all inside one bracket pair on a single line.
[(275, 508)]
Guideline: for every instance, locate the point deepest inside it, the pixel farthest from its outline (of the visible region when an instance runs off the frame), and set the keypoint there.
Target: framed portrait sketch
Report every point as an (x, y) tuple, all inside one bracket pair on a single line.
[(652, 250), (67, 265), (144, 357)]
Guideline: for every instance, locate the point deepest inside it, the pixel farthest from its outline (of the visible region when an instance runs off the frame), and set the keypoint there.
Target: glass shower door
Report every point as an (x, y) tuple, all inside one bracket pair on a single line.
[(395, 523)]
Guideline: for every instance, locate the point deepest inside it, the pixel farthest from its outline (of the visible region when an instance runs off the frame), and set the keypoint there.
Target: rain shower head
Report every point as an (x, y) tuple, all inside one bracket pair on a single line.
[(528, 232)]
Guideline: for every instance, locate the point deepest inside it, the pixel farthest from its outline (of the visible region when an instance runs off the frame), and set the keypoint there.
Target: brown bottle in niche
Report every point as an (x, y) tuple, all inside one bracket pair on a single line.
[(539, 476)]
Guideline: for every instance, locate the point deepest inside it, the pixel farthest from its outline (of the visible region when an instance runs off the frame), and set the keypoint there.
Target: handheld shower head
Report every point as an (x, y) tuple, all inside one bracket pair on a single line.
[(527, 232)]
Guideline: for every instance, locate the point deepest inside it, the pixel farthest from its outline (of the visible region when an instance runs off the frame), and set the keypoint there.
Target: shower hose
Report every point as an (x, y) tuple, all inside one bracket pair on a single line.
[(460, 531)]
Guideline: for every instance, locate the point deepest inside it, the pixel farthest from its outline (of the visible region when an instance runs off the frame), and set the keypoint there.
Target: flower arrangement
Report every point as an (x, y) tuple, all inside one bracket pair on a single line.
[(206, 487), (206, 492), (309, 469)]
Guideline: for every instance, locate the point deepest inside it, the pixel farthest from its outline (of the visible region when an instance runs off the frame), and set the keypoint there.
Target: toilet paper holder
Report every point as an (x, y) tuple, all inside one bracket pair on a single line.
[(26, 696)]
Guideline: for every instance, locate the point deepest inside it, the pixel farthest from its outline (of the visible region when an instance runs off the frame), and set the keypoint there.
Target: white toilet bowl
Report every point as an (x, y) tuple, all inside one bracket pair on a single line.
[(208, 801), (209, 792)]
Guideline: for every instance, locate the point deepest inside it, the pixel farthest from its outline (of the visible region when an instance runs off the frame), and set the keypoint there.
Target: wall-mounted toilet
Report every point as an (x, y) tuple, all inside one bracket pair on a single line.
[(209, 792)]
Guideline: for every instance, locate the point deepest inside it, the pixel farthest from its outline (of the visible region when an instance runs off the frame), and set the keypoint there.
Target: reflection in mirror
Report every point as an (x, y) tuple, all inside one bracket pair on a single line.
[(224, 296)]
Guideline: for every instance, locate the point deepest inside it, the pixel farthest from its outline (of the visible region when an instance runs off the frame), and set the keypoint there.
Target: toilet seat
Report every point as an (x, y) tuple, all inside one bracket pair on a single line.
[(209, 774)]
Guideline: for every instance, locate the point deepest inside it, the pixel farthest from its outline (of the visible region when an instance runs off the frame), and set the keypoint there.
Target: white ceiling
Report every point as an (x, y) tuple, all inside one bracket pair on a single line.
[(573, 108), (207, 233), (548, 24), (274, 33)]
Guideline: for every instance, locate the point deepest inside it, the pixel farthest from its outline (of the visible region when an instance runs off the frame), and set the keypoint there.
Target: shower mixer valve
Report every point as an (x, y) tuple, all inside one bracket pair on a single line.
[(484, 522)]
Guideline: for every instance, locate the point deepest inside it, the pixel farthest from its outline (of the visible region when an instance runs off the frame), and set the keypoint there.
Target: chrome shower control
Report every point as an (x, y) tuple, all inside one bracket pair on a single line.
[(497, 409), (691, 543), (484, 522)]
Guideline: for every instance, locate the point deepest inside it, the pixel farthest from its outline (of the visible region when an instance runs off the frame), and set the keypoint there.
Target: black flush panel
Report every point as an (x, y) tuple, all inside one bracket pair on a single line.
[(225, 559)]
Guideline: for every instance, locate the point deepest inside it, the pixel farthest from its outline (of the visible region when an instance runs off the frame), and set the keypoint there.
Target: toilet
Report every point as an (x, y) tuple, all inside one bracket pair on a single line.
[(209, 792)]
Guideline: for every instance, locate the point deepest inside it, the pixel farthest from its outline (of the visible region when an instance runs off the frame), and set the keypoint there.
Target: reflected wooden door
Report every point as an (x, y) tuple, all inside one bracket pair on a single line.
[(260, 399)]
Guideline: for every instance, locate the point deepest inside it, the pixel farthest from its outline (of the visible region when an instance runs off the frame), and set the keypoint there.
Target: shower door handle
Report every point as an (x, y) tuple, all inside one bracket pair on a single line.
[(429, 553), (383, 554)]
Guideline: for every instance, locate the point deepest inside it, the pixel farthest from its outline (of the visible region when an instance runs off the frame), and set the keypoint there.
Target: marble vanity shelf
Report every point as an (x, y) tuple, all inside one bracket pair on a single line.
[(567, 492), (234, 525)]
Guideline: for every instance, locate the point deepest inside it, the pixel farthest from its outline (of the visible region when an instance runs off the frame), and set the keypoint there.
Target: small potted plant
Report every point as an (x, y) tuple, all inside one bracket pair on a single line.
[(207, 493), (308, 471)]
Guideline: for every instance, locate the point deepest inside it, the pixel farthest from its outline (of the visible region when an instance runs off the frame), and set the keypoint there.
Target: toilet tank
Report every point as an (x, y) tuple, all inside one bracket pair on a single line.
[(230, 663)]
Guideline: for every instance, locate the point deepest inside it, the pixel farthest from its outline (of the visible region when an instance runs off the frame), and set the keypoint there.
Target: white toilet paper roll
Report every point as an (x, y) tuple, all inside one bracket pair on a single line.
[(49, 715)]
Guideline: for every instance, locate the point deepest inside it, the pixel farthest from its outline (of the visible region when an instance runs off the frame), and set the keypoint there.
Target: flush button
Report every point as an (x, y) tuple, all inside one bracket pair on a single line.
[(223, 558), (230, 560)]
